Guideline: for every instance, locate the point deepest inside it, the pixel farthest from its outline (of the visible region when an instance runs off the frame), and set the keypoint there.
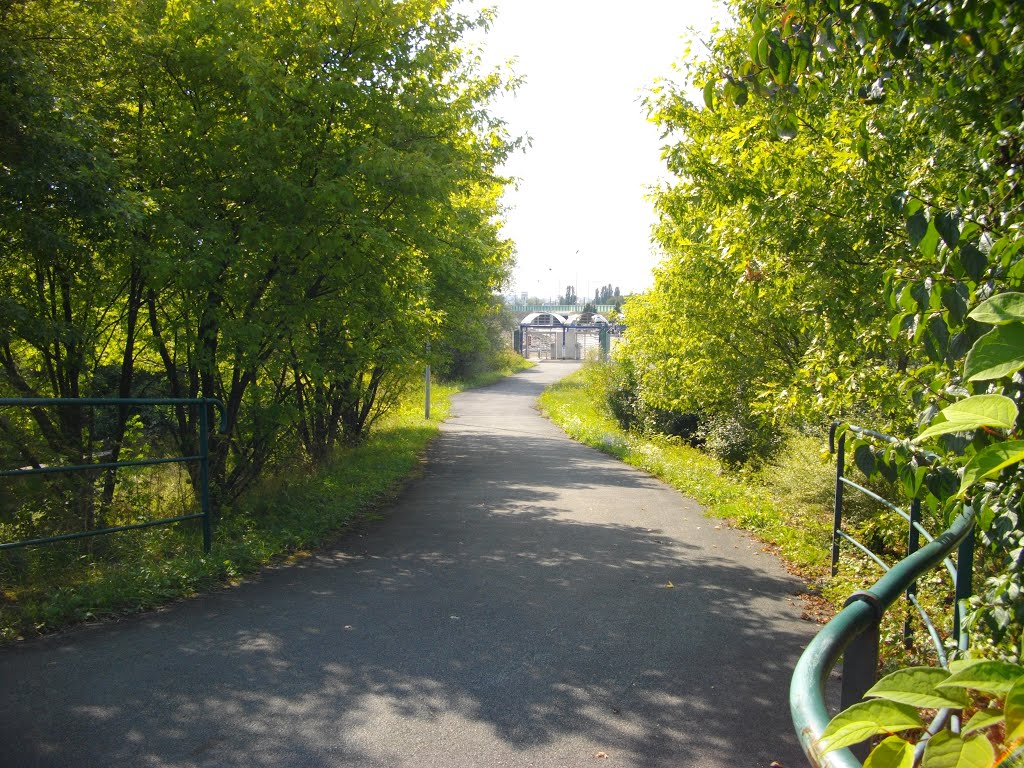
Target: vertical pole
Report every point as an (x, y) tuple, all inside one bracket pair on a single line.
[(837, 516), (426, 381), (204, 472), (860, 665), (964, 570), (913, 544)]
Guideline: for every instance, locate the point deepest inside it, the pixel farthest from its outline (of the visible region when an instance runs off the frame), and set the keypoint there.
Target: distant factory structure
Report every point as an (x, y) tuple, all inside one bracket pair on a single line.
[(551, 335)]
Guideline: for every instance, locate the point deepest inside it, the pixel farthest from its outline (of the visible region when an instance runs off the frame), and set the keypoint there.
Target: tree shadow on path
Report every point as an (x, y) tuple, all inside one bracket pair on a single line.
[(554, 607)]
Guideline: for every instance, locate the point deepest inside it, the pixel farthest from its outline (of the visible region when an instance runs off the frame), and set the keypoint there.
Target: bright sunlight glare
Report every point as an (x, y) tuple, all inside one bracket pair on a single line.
[(579, 214)]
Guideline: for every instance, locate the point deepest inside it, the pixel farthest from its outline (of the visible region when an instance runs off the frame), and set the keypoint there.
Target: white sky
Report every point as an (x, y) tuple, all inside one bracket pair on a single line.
[(579, 216)]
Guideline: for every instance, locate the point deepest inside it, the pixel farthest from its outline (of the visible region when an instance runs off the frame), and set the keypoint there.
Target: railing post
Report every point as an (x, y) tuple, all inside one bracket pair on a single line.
[(837, 518), (426, 383), (204, 473), (964, 570), (913, 544), (860, 665)]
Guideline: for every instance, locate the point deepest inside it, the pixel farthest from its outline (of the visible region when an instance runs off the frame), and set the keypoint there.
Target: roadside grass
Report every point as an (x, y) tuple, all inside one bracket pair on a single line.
[(786, 504), (48, 588)]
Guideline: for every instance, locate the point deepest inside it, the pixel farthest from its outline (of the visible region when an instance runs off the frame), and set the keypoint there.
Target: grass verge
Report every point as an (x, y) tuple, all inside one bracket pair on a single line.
[(786, 504), (288, 516)]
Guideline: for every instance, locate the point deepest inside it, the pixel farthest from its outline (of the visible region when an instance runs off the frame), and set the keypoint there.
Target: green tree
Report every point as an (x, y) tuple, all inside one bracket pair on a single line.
[(69, 308), (273, 204), (933, 103)]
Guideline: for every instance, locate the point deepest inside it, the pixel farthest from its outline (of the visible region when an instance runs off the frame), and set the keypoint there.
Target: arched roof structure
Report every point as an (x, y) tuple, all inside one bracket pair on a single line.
[(587, 320), (545, 318)]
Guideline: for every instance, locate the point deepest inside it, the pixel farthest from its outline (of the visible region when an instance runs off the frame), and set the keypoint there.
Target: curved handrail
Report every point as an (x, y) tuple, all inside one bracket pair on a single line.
[(862, 612)]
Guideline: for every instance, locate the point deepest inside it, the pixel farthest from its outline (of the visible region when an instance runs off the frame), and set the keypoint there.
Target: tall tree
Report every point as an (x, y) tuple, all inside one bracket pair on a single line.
[(275, 204)]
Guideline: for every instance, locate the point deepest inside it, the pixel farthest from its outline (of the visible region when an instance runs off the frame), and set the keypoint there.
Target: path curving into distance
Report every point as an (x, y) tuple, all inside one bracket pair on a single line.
[(511, 609)]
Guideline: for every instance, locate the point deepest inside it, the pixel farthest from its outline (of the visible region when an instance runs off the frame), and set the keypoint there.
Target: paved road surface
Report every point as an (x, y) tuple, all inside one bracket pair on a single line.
[(511, 610)]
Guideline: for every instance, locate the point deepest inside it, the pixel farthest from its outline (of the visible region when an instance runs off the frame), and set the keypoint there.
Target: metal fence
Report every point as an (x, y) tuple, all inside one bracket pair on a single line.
[(203, 405), (854, 632)]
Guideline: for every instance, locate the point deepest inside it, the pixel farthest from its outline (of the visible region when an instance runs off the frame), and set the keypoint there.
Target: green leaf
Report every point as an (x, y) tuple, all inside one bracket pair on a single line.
[(864, 458), (900, 323), (917, 226), (784, 59), (953, 300), (948, 226), (894, 752), (991, 460), (947, 750), (1000, 309), (911, 476), (930, 242), (741, 94), (959, 345), (937, 340), (709, 94), (922, 293), (763, 51), (973, 261), (942, 482), (983, 718), (916, 686), (1013, 709), (979, 411), (867, 719), (992, 677), (996, 354), (786, 127)]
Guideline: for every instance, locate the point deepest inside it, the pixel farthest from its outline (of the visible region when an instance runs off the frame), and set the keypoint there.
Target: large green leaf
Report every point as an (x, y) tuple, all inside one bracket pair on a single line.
[(867, 719), (996, 354), (916, 686), (991, 460), (974, 412), (894, 752), (1013, 709), (983, 718), (1000, 309), (948, 750), (992, 677)]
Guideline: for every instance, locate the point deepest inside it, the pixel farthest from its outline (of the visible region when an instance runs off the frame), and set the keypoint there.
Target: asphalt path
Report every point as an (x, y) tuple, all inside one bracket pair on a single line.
[(527, 602)]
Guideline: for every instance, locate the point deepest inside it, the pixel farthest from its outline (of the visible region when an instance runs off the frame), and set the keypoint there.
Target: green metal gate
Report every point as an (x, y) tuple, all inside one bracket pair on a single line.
[(203, 404)]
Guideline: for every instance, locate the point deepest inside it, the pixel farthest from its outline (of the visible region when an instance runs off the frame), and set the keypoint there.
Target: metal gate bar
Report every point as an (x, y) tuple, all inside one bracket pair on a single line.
[(203, 458)]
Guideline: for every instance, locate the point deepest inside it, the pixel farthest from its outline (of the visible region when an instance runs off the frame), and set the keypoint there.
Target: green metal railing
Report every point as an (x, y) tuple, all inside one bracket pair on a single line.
[(203, 405), (559, 308), (854, 632)]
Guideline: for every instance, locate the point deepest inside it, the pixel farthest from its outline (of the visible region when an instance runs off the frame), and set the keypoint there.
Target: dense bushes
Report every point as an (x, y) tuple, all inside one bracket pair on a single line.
[(736, 437)]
